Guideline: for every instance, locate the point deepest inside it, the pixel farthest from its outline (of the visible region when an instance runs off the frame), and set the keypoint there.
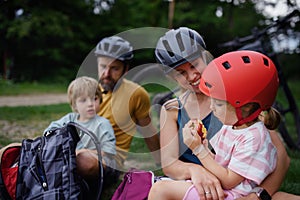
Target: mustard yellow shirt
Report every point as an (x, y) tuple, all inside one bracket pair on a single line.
[(123, 107)]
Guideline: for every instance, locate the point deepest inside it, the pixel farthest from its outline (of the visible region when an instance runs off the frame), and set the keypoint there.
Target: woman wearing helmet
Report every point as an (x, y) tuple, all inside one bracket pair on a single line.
[(184, 57), (244, 152)]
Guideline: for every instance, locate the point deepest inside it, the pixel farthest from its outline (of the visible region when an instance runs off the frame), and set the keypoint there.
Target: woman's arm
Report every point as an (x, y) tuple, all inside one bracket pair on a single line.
[(169, 145), (274, 180), (176, 169)]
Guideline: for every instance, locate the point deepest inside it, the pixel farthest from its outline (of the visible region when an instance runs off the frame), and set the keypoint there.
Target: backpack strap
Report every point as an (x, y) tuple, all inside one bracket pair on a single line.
[(75, 127), (9, 156), (3, 149)]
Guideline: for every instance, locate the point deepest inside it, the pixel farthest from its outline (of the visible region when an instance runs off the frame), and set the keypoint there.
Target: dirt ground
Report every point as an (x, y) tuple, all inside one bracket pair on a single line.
[(16, 131), (30, 100)]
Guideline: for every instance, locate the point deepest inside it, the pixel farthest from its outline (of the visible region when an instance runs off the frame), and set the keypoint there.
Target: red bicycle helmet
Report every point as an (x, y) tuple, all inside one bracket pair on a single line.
[(241, 77)]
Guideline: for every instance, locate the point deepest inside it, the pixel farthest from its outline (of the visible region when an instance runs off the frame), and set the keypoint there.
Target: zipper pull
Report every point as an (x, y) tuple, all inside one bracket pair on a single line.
[(129, 178), (44, 184)]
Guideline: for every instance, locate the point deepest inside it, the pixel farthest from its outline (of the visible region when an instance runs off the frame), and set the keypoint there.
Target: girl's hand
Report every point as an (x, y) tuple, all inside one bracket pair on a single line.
[(190, 135)]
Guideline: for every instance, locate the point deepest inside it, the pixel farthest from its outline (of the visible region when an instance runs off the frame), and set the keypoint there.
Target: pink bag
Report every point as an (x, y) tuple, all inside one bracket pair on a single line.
[(135, 185)]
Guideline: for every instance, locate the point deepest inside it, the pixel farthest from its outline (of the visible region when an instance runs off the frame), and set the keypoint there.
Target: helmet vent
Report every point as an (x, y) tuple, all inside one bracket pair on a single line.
[(179, 41), (246, 59), (266, 62), (192, 38), (226, 65), (115, 48), (168, 48), (106, 45), (208, 85)]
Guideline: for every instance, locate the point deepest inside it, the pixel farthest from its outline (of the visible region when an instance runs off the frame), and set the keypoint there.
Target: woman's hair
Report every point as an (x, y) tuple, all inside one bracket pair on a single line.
[(271, 117), (83, 86)]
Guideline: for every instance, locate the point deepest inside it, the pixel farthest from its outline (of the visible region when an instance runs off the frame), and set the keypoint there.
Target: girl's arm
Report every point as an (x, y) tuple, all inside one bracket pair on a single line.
[(227, 177)]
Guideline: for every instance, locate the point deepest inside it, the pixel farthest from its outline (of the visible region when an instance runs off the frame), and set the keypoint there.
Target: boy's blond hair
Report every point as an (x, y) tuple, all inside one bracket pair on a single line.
[(83, 86)]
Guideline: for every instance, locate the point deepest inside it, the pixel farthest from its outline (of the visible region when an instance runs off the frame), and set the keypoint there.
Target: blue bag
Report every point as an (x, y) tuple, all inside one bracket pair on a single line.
[(47, 166)]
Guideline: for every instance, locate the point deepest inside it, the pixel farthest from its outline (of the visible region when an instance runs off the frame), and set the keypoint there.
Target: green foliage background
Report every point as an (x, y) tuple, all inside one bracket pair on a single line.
[(48, 40)]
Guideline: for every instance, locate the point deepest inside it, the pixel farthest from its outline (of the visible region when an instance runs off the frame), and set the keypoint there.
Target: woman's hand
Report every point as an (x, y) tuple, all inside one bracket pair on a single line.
[(207, 185)]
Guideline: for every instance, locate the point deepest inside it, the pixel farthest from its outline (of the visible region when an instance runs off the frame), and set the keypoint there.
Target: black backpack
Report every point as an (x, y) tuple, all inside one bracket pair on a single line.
[(46, 167)]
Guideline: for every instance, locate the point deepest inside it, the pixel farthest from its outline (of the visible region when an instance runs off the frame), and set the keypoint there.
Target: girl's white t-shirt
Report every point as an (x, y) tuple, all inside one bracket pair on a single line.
[(248, 152)]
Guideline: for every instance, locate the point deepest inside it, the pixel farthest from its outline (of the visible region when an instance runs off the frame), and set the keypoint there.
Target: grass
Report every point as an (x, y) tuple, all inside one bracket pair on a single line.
[(291, 183), (9, 88), (17, 123)]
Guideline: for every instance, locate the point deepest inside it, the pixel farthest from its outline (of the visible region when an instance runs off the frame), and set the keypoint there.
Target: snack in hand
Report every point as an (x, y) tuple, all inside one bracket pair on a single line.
[(201, 130)]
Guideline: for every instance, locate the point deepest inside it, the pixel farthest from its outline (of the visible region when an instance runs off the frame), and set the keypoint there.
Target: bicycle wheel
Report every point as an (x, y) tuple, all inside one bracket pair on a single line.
[(289, 127), (146, 72), (160, 88)]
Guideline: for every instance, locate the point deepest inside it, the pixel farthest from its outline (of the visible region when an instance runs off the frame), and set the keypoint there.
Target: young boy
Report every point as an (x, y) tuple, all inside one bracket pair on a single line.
[(84, 97)]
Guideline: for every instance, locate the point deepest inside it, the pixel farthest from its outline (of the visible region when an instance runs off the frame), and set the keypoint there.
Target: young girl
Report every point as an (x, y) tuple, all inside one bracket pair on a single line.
[(241, 84)]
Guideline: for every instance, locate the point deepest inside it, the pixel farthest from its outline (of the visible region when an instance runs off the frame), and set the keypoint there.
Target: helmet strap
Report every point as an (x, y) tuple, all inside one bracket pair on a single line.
[(249, 118), (125, 69)]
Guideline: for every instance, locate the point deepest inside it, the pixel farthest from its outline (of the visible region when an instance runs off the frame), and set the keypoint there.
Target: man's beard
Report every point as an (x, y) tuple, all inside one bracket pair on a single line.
[(108, 86)]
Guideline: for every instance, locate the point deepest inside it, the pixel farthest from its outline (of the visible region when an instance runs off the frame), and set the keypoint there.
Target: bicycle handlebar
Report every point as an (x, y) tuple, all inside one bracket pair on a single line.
[(280, 24)]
